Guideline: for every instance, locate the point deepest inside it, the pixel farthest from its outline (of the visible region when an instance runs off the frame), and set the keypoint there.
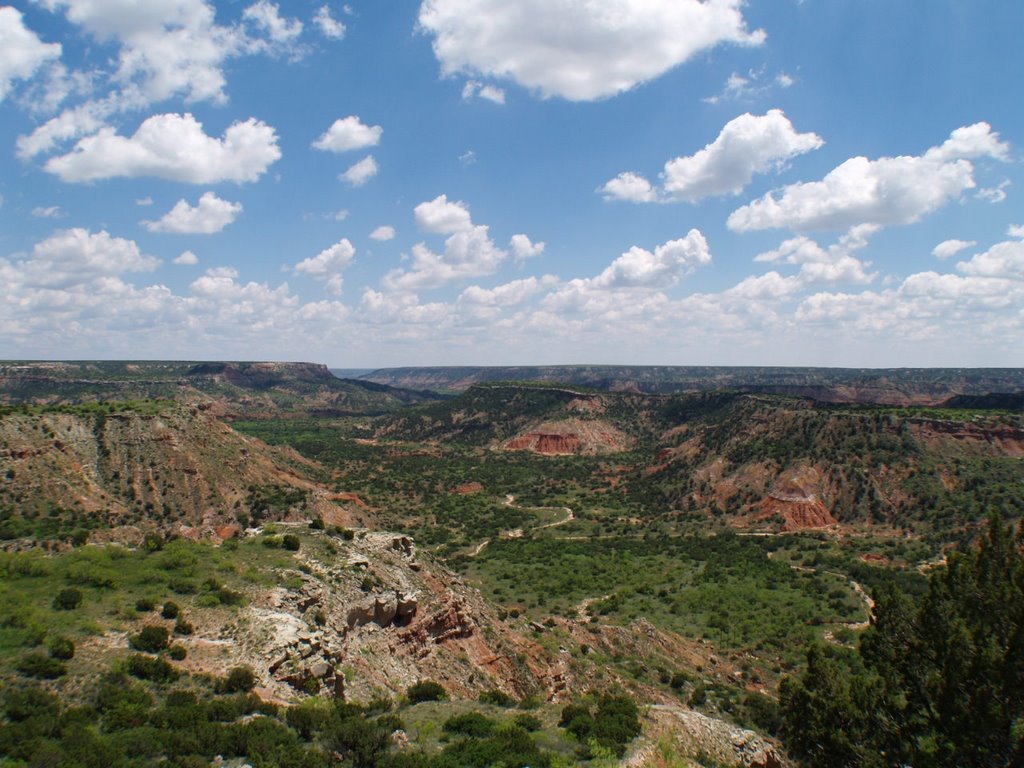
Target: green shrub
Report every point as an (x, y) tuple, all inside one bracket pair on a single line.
[(40, 665), (117, 692), (239, 680), (498, 698), (183, 586), (361, 742), (291, 542), (67, 599), (425, 690), (510, 746), (23, 703), (60, 647), (308, 718), (229, 596), (678, 680), (170, 610), (528, 722), (615, 723), (530, 702), (145, 604), (93, 574), (183, 627), (699, 695), (177, 652), (148, 668), (152, 638), (471, 724)]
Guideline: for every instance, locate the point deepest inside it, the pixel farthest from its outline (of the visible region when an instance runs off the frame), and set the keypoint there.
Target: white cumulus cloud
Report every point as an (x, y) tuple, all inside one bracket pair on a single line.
[(47, 212), (22, 53), (578, 50), (162, 49), (172, 147), (361, 172), (948, 248), (631, 187), (329, 26), (267, 17), (349, 133), (383, 233), (747, 145), (523, 248), (887, 191), (210, 215), (750, 86), (476, 89), (75, 256), (640, 268), (186, 259), (442, 217), (1002, 260), (996, 194), (166, 47), (835, 264), (469, 250), (328, 265)]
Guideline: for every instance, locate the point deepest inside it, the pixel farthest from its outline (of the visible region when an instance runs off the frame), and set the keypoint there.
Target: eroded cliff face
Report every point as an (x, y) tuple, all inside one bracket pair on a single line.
[(796, 498), (179, 471), (994, 440), (570, 437), (367, 619)]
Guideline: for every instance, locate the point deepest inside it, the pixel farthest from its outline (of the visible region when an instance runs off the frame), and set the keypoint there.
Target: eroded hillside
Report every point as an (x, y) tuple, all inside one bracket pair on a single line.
[(122, 470)]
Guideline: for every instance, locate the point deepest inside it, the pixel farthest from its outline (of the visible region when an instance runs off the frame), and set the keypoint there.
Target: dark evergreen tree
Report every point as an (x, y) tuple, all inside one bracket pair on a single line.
[(937, 684)]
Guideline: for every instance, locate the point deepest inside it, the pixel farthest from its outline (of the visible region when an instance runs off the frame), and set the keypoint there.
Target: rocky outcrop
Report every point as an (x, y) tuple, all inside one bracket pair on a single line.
[(327, 634), (795, 499), (694, 735), (384, 611), (546, 443), (997, 439), (570, 437)]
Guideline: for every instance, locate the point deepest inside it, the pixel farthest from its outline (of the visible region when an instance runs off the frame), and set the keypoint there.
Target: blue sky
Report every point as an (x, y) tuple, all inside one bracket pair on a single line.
[(371, 184)]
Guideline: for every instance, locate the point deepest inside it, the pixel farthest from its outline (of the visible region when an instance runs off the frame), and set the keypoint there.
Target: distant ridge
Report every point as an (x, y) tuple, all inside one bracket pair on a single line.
[(889, 386), (243, 389)]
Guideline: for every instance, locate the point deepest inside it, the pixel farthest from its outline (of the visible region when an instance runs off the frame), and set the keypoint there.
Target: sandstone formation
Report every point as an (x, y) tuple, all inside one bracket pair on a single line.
[(570, 437), (795, 498), (177, 470), (331, 635), (695, 735)]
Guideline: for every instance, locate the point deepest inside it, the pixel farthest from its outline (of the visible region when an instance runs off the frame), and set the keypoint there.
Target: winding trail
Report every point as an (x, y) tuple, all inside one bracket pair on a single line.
[(583, 608), (515, 533)]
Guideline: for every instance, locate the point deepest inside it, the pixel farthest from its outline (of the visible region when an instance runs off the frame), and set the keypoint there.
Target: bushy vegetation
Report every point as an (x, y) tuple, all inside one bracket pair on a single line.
[(140, 715), (612, 724), (724, 587), (936, 683), (425, 690)]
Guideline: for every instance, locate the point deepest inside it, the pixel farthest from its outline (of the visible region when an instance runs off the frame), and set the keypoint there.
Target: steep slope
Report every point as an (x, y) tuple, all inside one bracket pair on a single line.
[(791, 464), (360, 616), (549, 420), (148, 465), (768, 462)]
